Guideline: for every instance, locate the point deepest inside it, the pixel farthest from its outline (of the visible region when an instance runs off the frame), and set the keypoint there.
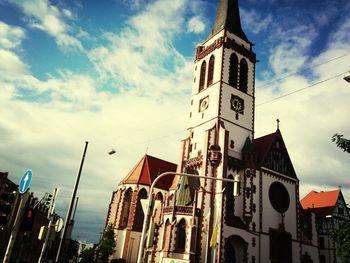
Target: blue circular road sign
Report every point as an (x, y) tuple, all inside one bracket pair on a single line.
[(25, 181)]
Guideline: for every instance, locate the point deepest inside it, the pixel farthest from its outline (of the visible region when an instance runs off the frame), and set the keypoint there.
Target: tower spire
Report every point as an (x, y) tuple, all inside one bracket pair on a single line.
[(228, 17)]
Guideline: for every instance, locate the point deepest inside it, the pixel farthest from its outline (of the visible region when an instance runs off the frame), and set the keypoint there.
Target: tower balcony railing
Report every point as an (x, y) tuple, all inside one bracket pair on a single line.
[(185, 210)]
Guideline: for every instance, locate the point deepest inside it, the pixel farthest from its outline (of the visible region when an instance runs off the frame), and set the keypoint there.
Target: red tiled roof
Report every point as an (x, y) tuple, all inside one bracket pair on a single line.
[(147, 169), (322, 203)]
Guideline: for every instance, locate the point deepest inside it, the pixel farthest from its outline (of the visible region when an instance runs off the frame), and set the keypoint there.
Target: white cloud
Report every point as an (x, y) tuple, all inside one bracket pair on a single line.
[(143, 55), (195, 25), (10, 36), (291, 49), (256, 22), (41, 14), (11, 65)]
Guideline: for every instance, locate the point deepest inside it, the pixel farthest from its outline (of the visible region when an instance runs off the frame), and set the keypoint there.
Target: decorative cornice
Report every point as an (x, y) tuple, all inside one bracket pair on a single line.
[(231, 43), (202, 51)]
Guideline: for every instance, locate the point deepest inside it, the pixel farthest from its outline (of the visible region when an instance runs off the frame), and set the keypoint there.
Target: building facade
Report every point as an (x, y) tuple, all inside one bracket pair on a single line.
[(256, 219), (331, 210)]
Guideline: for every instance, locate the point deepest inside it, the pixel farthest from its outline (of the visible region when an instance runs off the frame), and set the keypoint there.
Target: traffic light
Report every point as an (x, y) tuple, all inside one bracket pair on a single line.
[(6, 200), (28, 219), (48, 199)]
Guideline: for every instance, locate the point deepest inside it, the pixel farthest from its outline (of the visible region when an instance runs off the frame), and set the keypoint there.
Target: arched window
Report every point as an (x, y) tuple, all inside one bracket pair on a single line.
[(166, 236), (229, 197), (243, 76), (202, 76), (235, 249), (181, 236), (233, 74), (126, 209), (139, 215), (159, 197), (211, 70)]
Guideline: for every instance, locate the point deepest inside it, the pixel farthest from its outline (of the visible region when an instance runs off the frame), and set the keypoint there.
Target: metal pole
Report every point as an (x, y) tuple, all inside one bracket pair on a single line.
[(48, 231), (15, 227), (149, 208), (69, 214)]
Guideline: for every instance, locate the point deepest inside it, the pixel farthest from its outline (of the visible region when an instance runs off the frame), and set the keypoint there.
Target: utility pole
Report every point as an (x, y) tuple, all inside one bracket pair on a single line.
[(70, 209), (15, 227), (50, 216)]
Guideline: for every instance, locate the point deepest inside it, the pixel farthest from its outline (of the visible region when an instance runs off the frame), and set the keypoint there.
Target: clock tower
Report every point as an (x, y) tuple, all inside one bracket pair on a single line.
[(221, 125), (223, 84)]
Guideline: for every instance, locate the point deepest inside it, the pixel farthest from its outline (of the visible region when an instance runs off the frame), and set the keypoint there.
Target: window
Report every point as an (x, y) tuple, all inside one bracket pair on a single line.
[(202, 76), (126, 209), (211, 70), (229, 196), (139, 215), (321, 240), (166, 237), (233, 74), (243, 76), (181, 236)]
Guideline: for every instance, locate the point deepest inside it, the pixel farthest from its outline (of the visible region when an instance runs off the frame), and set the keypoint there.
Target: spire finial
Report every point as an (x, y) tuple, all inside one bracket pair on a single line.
[(228, 17), (278, 124)]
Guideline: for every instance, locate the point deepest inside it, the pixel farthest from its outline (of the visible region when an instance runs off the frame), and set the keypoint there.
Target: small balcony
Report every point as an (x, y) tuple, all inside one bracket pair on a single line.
[(184, 210)]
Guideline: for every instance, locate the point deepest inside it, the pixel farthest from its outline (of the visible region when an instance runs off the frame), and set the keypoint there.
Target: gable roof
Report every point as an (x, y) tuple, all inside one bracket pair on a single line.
[(263, 146), (147, 169), (323, 202)]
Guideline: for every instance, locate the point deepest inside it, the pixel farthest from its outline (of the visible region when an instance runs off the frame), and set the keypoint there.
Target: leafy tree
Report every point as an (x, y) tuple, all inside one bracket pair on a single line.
[(341, 142), (107, 243), (87, 255), (72, 249), (342, 238)]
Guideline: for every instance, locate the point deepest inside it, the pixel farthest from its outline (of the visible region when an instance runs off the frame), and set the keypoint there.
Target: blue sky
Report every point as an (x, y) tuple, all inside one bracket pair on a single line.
[(119, 74)]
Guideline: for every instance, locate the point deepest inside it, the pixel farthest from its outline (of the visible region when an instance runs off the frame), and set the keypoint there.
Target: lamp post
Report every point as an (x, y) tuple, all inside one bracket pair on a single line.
[(150, 197), (70, 209)]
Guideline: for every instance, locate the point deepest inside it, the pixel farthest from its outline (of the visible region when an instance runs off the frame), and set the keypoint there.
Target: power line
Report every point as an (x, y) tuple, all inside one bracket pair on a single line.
[(301, 70), (263, 103), (265, 85), (299, 90)]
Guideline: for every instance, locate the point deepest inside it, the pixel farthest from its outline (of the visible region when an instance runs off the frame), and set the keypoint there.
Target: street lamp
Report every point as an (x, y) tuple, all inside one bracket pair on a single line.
[(347, 77), (150, 197)]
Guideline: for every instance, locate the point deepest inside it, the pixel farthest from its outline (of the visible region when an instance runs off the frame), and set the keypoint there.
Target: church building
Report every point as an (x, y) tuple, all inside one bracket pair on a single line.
[(255, 217)]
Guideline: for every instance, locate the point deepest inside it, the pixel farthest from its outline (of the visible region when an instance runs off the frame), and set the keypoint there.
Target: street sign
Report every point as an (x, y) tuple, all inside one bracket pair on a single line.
[(25, 181), (59, 225)]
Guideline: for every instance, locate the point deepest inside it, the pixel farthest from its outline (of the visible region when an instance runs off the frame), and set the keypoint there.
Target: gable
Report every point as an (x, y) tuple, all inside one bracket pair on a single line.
[(341, 207), (272, 154), (277, 159)]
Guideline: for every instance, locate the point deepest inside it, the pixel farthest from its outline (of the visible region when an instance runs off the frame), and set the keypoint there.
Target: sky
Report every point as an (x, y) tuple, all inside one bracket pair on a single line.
[(118, 74)]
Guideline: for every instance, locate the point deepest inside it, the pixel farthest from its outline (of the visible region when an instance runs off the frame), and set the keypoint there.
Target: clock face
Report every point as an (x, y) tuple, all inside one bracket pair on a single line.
[(237, 104), (203, 104)]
